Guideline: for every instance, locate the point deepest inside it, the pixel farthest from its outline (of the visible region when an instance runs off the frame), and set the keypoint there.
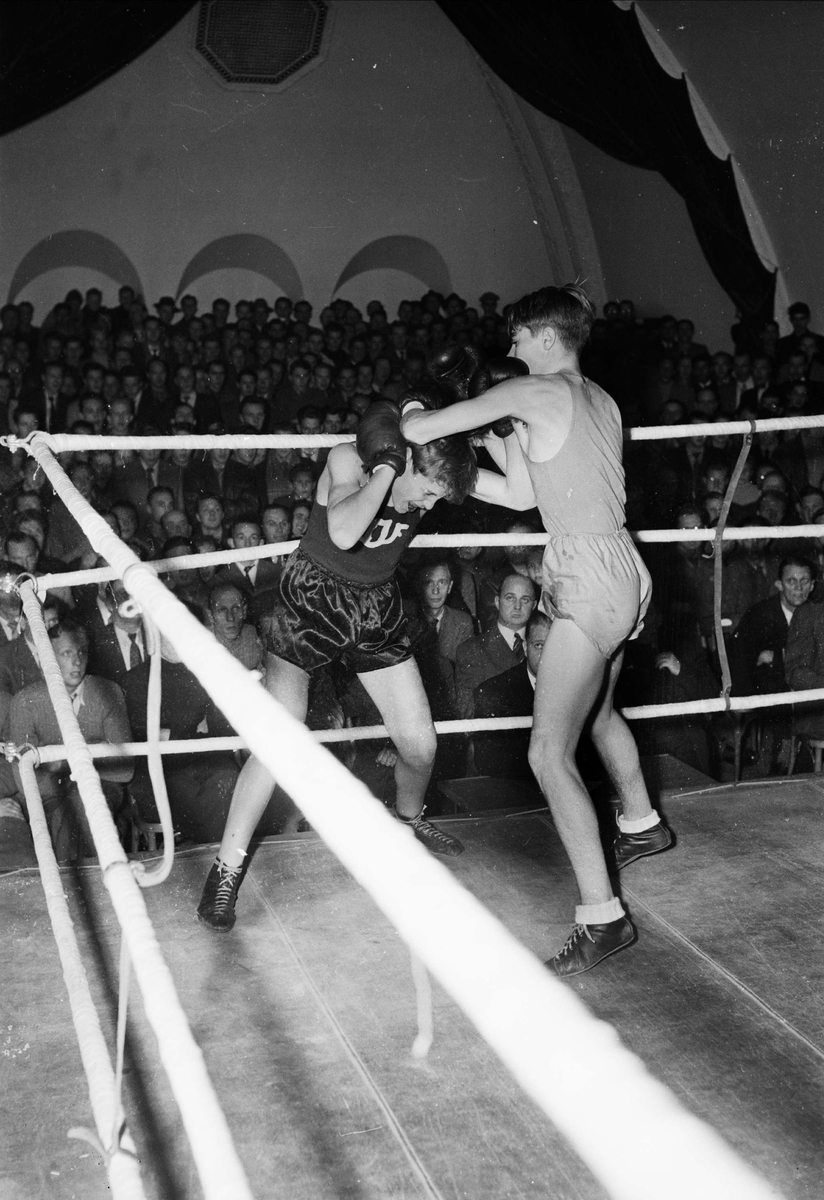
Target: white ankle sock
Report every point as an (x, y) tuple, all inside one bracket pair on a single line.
[(599, 914), (640, 825)]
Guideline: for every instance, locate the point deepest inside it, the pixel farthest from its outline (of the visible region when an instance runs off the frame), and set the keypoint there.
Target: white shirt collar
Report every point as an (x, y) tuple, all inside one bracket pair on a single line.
[(105, 611), (509, 635), (10, 628), (533, 679), (77, 696), (125, 644)]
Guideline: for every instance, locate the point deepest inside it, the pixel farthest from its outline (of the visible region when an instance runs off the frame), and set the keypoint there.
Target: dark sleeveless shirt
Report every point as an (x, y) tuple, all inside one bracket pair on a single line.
[(373, 559)]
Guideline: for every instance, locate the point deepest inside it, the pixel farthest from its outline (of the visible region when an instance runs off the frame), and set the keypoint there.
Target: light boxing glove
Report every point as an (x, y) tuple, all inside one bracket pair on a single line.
[(497, 370), (452, 367), (379, 440)]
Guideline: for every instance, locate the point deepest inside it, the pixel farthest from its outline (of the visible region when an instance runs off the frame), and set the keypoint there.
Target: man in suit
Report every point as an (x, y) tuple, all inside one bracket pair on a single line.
[(499, 647), (134, 481), (101, 713), (757, 659), (20, 662), (47, 400), (117, 641), (451, 627), (511, 694), (804, 666), (257, 578), (10, 604), (799, 314)]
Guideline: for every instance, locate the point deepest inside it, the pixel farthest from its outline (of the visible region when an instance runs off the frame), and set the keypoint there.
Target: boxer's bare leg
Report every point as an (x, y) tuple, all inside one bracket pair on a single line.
[(398, 694), (571, 676), (290, 685)]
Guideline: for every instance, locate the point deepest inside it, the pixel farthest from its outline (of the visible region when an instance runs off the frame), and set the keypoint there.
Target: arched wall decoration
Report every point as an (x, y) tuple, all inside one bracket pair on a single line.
[(413, 255), (75, 248), (245, 251)]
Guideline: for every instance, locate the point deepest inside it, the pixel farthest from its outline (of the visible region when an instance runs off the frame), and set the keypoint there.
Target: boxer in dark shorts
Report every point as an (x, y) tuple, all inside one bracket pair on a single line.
[(340, 602), (559, 443)]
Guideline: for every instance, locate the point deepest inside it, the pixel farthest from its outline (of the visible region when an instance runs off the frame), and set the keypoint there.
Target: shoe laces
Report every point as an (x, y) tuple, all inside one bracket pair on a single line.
[(430, 830), (578, 932), (227, 881)]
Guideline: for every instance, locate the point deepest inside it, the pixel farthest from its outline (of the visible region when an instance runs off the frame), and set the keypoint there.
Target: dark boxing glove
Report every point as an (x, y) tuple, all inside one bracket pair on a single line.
[(379, 440), (427, 394), (497, 370), (452, 367)]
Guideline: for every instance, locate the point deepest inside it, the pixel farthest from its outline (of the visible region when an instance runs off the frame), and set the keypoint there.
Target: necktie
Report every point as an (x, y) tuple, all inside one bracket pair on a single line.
[(518, 648), (76, 701), (135, 657)]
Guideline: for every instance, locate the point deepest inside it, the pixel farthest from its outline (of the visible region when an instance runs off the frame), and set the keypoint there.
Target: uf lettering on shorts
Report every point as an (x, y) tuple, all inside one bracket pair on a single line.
[(384, 531)]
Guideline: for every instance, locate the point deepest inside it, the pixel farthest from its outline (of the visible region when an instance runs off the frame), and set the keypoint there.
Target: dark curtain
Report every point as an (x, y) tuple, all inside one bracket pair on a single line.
[(587, 64), (53, 52)]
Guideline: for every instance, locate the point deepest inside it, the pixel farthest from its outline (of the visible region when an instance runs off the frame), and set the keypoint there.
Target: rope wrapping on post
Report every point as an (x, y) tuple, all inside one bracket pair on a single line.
[(573, 1066)]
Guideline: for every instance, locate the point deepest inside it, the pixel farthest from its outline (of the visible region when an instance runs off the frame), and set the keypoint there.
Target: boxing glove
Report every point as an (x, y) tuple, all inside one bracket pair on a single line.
[(497, 370), (452, 367), (427, 394), (379, 440)]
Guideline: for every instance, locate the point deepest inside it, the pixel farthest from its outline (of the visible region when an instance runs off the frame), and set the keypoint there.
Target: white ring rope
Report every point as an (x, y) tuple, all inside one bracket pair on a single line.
[(425, 541), (62, 442), (221, 1173), (121, 1164), (573, 1066)]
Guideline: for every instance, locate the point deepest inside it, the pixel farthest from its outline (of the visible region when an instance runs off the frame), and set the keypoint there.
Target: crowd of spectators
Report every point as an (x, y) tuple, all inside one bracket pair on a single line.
[(477, 619)]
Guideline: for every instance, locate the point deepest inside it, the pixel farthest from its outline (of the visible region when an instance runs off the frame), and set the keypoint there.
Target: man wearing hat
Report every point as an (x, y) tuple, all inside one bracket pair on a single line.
[(188, 307)]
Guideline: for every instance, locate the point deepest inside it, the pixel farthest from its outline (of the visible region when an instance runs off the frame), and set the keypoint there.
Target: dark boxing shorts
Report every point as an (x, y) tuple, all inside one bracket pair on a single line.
[(324, 619)]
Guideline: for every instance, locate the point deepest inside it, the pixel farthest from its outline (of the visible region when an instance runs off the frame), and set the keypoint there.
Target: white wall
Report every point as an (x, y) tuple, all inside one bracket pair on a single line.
[(395, 132)]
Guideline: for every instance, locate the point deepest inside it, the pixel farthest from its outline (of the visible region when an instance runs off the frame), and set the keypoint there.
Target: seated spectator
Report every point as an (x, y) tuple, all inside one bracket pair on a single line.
[(101, 714), (227, 620), (301, 512), (279, 463), (175, 523), (185, 582), (117, 640), (276, 523), (303, 482), (244, 482), (510, 694), (451, 627), (757, 660), (11, 606), (762, 633), (748, 576), (290, 398), (129, 523), (804, 667), (20, 660), (210, 519), (199, 786), (810, 504), (499, 647), (160, 501), (255, 575)]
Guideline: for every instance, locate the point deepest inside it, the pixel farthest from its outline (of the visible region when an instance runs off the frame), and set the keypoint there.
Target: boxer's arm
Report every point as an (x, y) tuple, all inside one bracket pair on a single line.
[(521, 398), (512, 490), (353, 505)]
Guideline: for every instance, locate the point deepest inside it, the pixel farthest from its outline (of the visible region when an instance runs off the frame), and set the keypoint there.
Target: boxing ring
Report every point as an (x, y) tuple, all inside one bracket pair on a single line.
[(572, 1065)]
